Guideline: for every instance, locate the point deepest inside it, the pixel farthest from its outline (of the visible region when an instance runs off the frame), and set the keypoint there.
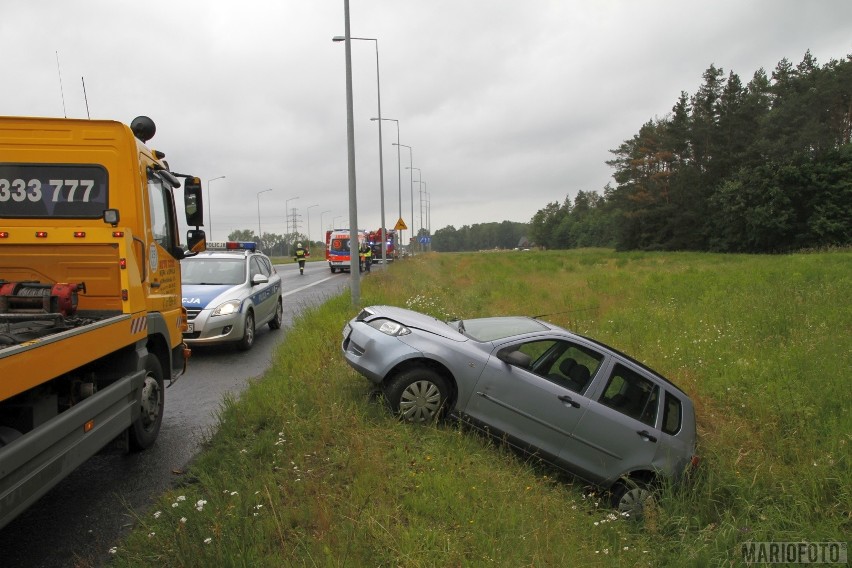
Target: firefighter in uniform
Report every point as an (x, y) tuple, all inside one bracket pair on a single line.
[(301, 254), (368, 257)]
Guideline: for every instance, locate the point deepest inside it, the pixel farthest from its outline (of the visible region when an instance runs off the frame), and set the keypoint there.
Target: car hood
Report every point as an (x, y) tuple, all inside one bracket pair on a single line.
[(199, 296), (415, 320)]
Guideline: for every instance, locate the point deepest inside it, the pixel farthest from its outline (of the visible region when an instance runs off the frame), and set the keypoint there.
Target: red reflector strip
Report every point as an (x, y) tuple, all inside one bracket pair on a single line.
[(41, 234), (118, 234), (4, 234), (79, 234), (122, 263), (124, 295)]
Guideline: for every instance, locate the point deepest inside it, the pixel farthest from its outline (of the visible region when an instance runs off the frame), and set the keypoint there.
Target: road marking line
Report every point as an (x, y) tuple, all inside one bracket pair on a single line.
[(306, 287)]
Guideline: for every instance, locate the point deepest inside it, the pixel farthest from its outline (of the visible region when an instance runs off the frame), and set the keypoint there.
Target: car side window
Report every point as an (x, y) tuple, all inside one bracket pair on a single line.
[(266, 266), (563, 363), (254, 265), (672, 412), (632, 394)]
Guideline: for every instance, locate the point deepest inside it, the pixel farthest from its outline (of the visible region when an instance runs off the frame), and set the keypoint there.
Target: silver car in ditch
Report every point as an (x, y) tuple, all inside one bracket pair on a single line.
[(571, 400)]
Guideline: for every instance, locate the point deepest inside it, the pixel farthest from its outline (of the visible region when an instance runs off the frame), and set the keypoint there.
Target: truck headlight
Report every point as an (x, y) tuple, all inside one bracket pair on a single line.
[(228, 308)]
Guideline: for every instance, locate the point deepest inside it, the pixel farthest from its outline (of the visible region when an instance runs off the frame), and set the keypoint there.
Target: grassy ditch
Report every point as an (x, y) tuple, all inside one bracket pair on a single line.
[(308, 469)]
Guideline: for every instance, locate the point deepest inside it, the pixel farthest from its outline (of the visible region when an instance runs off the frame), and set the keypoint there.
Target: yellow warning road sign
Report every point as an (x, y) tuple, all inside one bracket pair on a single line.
[(400, 225)]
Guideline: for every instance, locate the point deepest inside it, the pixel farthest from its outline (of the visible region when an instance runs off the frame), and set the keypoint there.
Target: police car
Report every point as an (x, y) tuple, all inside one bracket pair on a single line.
[(229, 291)]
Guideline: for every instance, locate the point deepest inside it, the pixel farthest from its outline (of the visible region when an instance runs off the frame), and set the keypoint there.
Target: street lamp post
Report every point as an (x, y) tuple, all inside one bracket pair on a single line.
[(398, 167), (308, 215), (287, 222), (381, 165), (354, 275), (410, 181), (210, 206), (322, 227), (259, 234), (419, 177)]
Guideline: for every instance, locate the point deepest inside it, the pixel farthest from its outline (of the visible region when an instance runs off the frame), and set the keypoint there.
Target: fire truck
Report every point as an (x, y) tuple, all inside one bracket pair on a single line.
[(374, 240), (91, 320)]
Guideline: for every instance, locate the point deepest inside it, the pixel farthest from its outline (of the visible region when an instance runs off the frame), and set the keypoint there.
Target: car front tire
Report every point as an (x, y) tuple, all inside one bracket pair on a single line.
[(247, 341), (418, 395)]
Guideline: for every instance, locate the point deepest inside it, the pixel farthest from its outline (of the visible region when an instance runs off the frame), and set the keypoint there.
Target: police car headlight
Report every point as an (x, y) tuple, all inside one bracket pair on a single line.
[(228, 308)]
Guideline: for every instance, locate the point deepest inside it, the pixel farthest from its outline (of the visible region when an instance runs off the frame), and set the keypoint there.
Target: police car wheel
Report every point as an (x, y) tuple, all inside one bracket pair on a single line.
[(275, 323), (248, 334)]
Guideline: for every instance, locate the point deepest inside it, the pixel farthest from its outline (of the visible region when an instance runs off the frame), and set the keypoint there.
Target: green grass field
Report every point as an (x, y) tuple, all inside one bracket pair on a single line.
[(308, 469)]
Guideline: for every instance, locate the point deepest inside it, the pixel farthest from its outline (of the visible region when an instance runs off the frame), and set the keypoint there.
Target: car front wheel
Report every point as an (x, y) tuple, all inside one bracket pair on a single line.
[(418, 395), (248, 334)]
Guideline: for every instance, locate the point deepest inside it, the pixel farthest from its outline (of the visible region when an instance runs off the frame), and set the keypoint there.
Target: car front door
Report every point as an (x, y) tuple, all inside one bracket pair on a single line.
[(529, 405), (262, 294), (618, 433)]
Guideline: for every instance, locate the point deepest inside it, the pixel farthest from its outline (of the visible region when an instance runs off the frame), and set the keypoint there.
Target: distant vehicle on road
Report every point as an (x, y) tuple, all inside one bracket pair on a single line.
[(573, 401), (228, 292)]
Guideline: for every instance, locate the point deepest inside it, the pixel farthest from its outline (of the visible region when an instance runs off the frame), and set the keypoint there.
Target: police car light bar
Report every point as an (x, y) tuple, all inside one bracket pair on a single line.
[(232, 245)]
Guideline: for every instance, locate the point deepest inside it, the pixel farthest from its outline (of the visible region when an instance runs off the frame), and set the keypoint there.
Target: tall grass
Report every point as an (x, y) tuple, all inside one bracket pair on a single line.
[(308, 468)]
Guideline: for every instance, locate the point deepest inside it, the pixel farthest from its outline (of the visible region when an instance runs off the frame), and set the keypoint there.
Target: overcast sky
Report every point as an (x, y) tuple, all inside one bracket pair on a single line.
[(507, 105)]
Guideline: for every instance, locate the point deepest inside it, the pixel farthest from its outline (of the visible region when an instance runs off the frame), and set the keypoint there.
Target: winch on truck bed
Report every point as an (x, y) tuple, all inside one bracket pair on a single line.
[(31, 309)]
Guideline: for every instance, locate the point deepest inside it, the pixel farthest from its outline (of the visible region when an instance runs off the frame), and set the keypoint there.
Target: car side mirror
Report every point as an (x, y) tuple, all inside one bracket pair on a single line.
[(259, 279), (515, 358)]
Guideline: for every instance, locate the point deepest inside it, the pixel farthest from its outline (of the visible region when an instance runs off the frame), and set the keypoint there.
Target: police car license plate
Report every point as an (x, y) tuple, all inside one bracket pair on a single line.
[(190, 327)]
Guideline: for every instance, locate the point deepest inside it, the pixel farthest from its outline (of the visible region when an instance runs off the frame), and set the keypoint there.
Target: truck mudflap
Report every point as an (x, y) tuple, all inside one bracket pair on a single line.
[(35, 462), (180, 357)]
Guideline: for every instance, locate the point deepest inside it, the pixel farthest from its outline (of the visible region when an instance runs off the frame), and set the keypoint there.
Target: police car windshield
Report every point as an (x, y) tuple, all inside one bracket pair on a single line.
[(213, 271)]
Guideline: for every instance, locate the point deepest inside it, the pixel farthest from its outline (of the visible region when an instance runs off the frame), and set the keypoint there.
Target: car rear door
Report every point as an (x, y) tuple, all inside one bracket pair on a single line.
[(618, 433)]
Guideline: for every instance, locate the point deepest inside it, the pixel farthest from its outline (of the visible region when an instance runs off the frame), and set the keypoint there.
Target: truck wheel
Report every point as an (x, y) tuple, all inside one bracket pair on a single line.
[(7, 435), (418, 395), (333, 270), (275, 323), (143, 432), (248, 334)]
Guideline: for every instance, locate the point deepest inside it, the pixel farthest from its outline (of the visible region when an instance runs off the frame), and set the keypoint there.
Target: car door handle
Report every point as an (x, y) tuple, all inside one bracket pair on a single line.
[(647, 435), (569, 400)]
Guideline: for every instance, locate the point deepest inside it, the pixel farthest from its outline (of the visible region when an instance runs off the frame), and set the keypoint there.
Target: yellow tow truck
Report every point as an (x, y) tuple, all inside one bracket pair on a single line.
[(91, 320)]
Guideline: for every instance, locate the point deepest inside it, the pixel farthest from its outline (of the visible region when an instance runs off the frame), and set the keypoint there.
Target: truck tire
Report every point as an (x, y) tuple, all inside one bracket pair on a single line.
[(143, 432)]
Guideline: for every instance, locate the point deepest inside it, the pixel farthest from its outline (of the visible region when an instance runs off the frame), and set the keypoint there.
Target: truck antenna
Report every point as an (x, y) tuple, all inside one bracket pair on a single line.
[(61, 92), (83, 79)]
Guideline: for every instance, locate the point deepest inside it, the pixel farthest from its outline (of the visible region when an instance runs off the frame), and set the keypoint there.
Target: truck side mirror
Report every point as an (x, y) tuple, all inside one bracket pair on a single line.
[(192, 202), (196, 241)]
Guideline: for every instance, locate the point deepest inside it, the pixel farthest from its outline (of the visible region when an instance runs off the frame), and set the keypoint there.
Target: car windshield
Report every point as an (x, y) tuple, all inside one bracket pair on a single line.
[(213, 271), (490, 329)]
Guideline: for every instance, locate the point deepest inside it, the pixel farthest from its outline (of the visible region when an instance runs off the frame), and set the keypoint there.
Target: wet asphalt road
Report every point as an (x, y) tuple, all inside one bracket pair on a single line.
[(77, 522)]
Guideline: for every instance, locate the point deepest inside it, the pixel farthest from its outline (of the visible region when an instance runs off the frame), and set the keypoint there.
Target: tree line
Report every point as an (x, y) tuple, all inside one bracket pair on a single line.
[(760, 167)]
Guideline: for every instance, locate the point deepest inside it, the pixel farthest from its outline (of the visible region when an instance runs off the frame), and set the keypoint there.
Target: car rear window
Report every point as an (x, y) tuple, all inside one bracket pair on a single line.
[(672, 414), (490, 329)]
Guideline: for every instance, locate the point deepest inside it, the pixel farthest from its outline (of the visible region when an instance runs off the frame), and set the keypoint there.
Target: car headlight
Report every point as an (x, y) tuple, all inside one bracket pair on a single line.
[(389, 327), (229, 307)]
